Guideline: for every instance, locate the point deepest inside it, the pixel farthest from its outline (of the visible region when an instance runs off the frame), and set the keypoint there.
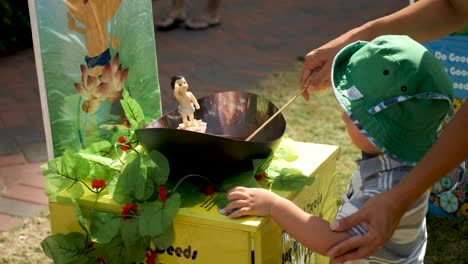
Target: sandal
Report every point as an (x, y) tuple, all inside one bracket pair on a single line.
[(201, 23), (169, 23)]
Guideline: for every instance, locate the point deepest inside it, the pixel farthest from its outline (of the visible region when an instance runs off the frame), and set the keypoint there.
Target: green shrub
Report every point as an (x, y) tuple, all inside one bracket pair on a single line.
[(15, 26)]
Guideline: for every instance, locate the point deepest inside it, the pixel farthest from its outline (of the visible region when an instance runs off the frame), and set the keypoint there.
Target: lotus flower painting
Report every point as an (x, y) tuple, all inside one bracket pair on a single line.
[(90, 52)]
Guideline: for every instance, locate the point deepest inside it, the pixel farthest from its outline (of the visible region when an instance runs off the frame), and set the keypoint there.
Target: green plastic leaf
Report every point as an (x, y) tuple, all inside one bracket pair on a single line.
[(150, 220), (75, 166), (104, 161), (190, 190), (274, 170), (134, 253), (76, 190), (191, 198), (132, 183), (221, 200), (287, 150), (166, 239), (55, 177), (110, 185), (245, 179), (170, 209), (68, 248), (102, 148), (102, 172), (133, 111), (63, 172), (104, 227), (291, 180), (116, 252), (129, 230), (82, 221), (261, 165), (161, 172)]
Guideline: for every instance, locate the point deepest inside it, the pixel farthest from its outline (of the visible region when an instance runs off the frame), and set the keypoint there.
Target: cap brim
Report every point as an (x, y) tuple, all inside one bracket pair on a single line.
[(338, 72)]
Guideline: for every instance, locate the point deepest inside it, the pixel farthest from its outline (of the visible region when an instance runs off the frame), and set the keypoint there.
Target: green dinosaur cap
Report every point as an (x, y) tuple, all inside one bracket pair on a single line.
[(397, 93)]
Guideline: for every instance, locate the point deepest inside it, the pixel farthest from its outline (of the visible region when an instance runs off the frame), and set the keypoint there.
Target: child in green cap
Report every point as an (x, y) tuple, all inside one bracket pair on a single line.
[(395, 96)]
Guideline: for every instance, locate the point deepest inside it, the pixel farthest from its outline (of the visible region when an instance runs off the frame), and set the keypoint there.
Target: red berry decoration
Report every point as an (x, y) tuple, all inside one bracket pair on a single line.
[(98, 184), (126, 122), (100, 260), (260, 176), (125, 145), (162, 193), (122, 139), (209, 189), (128, 209), (151, 257)]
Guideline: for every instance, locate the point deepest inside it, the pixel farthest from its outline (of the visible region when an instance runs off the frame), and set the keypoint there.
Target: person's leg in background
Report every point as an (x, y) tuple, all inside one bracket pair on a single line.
[(210, 17), (175, 17)]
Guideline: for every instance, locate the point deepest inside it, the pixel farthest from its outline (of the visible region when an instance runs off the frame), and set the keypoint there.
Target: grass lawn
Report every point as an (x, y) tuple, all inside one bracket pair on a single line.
[(317, 121)]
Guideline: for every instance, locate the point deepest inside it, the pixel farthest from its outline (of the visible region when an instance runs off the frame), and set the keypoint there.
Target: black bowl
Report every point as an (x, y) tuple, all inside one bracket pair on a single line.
[(222, 151)]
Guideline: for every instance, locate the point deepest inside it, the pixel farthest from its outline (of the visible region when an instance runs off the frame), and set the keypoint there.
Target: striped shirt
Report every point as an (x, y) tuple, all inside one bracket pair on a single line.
[(375, 175)]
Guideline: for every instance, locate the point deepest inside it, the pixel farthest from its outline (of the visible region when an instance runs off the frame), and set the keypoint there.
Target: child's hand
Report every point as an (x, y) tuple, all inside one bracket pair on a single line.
[(249, 201)]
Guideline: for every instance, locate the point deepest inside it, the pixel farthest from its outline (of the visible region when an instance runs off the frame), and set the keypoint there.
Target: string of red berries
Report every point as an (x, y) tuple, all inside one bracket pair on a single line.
[(124, 144)]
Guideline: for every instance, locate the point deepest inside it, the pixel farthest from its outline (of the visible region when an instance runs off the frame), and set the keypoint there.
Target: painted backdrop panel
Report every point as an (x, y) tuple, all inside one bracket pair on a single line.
[(89, 51)]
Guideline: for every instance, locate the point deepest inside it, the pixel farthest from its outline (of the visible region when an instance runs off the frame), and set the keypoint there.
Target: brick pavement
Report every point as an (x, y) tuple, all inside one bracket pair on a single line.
[(255, 39)]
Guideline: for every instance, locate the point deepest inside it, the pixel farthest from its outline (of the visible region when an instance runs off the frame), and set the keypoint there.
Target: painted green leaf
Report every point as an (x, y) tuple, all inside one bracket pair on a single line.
[(104, 227), (151, 220), (68, 248), (66, 127), (129, 230), (133, 111), (291, 180)]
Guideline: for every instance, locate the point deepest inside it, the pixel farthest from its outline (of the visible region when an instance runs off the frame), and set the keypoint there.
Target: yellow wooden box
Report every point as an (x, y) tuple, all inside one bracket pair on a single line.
[(204, 236)]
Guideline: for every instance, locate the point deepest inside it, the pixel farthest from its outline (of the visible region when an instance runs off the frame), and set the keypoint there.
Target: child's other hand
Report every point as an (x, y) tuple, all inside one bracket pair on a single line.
[(382, 213), (249, 201)]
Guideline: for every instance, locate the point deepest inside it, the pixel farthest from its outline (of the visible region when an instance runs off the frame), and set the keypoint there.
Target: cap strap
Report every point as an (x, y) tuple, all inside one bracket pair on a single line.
[(401, 98)]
